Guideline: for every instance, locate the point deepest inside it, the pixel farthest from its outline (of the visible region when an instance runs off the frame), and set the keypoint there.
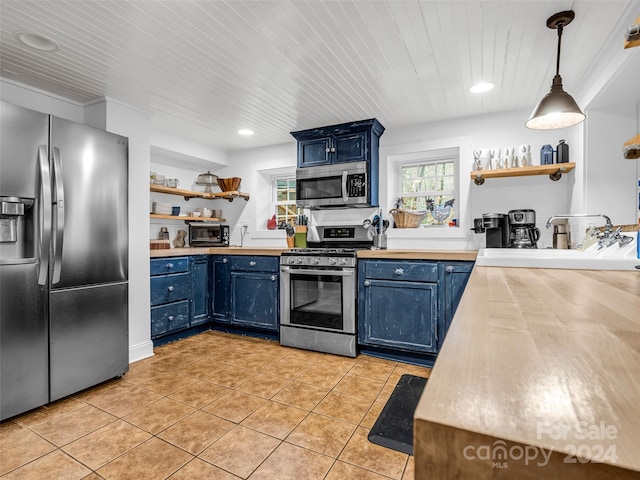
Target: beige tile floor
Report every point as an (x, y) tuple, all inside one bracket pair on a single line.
[(219, 407)]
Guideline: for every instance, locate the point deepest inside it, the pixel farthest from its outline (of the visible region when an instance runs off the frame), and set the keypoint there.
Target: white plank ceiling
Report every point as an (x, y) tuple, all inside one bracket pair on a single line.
[(204, 69)]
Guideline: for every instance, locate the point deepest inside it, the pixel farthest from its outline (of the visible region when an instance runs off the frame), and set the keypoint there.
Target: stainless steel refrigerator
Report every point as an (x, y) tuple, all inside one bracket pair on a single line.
[(63, 258)]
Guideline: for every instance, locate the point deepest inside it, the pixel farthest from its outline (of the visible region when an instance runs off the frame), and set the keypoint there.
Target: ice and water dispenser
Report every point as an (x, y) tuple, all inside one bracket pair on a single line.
[(17, 232)]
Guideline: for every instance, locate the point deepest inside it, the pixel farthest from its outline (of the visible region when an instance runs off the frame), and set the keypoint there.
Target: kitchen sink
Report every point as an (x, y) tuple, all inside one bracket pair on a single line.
[(611, 258)]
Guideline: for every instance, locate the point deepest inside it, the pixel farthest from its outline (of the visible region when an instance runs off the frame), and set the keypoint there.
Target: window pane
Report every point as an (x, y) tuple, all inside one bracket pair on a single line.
[(449, 168), (285, 199), (448, 183), (420, 186)]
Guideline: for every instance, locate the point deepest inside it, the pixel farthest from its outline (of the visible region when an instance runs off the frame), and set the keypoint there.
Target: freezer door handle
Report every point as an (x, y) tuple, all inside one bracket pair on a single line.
[(45, 213), (58, 215)]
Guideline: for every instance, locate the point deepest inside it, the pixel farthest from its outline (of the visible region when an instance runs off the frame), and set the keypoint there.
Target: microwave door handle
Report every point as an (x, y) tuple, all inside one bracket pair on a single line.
[(345, 194)]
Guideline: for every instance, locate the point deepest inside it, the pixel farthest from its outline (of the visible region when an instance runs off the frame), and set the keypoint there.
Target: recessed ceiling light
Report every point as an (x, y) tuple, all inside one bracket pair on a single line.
[(245, 131), (36, 41), (481, 87)]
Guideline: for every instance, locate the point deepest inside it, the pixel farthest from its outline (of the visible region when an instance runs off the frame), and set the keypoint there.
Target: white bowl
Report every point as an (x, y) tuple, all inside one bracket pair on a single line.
[(196, 214)]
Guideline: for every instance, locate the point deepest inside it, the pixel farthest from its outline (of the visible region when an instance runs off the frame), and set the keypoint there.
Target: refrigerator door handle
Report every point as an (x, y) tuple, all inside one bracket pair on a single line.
[(45, 214), (58, 227)]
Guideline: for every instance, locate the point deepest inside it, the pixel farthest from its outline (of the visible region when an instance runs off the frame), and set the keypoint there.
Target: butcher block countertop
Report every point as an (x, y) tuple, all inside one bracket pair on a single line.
[(178, 252), (420, 254), (539, 373), (469, 255)]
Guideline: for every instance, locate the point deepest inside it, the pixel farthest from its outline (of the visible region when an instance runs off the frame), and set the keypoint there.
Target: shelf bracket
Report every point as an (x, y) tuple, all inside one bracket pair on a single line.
[(479, 180), (558, 174)]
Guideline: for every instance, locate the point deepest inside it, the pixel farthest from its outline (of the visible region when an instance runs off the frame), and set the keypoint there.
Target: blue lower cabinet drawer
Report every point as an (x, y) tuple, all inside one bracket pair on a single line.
[(169, 288), (161, 266), (168, 318), (255, 263), (407, 271)]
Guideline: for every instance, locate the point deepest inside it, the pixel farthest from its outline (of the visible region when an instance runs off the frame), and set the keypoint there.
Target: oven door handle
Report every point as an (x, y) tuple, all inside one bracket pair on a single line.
[(310, 271), (345, 194)]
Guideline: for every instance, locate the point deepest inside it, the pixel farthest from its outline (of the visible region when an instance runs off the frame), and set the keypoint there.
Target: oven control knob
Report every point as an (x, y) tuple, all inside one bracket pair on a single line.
[(291, 260), (299, 261), (332, 261), (343, 261), (316, 261)]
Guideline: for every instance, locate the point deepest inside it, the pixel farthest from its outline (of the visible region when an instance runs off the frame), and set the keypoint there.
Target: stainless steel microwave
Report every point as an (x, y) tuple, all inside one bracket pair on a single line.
[(335, 186), (208, 235)]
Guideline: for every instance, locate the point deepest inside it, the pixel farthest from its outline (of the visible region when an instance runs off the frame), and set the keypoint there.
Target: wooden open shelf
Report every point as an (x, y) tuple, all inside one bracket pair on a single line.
[(188, 194), (186, 218), (555, 171)]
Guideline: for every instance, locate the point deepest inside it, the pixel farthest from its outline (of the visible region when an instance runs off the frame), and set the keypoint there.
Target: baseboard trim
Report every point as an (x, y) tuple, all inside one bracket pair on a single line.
[(140, 351)]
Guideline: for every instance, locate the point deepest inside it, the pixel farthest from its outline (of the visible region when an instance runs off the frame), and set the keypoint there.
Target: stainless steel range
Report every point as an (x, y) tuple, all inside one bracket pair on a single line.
[(318, 290)]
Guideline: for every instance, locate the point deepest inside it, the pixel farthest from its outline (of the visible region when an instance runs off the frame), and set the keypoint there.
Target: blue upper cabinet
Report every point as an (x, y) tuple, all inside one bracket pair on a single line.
[(347, 142), (314, 152), (352, 147)]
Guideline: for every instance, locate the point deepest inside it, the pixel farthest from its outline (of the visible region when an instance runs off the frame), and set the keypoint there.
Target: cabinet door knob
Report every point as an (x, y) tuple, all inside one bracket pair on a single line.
[(399, 271), (252, 263), (170, 318), (367, 283), (449, 269), (273, 278), (327, 150), (333, 150), (224, 260), (170, 288), (169, 265)]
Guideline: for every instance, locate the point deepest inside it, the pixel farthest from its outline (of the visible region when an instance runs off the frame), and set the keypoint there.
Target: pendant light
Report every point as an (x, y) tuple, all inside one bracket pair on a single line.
[(557, 109)]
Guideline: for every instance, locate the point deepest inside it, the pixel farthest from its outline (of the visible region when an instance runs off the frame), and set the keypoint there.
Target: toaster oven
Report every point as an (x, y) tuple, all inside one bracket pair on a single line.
[(208, 235)]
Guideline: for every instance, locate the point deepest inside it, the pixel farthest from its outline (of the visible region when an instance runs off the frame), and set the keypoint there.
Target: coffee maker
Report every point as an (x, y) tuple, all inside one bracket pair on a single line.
[(522, 229), (496, 228)]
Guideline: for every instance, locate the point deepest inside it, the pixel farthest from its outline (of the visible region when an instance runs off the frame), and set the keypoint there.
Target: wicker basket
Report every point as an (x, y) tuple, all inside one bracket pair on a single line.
[(407, 219)]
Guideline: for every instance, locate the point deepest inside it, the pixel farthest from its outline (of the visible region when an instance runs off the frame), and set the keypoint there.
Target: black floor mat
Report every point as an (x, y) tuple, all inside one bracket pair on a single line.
[(394, 427)]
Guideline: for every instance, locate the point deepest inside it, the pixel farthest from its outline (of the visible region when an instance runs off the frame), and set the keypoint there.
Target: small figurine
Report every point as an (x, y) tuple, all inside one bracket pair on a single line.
[(179, 241)]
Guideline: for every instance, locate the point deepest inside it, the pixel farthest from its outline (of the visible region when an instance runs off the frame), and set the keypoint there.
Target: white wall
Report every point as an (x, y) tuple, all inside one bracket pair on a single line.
[(255, 166), (610, 180), (498, 195), (133, 124)]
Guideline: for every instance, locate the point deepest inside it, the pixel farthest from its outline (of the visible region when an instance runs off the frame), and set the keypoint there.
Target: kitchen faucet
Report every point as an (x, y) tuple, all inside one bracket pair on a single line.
[(606, 238)]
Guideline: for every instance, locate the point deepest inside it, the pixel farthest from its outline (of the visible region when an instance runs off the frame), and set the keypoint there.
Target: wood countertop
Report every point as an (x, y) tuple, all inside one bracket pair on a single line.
[(540, 361), (469, 255), (178, 252)]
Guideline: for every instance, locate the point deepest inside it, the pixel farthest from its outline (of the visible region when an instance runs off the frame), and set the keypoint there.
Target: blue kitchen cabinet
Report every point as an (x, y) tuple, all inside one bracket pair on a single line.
[(348, 142), (398, 305), (255, 291), (314, 152), (170, 290), (220, 291), (199, 299), (405, 307), (456, 276)]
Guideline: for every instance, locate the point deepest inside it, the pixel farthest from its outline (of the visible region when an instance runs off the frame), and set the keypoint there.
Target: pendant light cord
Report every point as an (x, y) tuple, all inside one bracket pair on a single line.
[(559, 42)]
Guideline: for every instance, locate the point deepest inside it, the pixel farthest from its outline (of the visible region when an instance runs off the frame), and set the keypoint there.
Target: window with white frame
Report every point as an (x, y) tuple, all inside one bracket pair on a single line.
[(284, 199), (429, 184)]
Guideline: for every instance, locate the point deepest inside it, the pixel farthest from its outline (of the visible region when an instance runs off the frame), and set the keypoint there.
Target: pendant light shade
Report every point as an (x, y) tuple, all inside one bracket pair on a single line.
[(557, 109)]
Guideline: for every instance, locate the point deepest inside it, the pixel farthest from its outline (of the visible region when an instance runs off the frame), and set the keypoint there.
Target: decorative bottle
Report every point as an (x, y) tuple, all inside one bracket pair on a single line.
[(546, 155)]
